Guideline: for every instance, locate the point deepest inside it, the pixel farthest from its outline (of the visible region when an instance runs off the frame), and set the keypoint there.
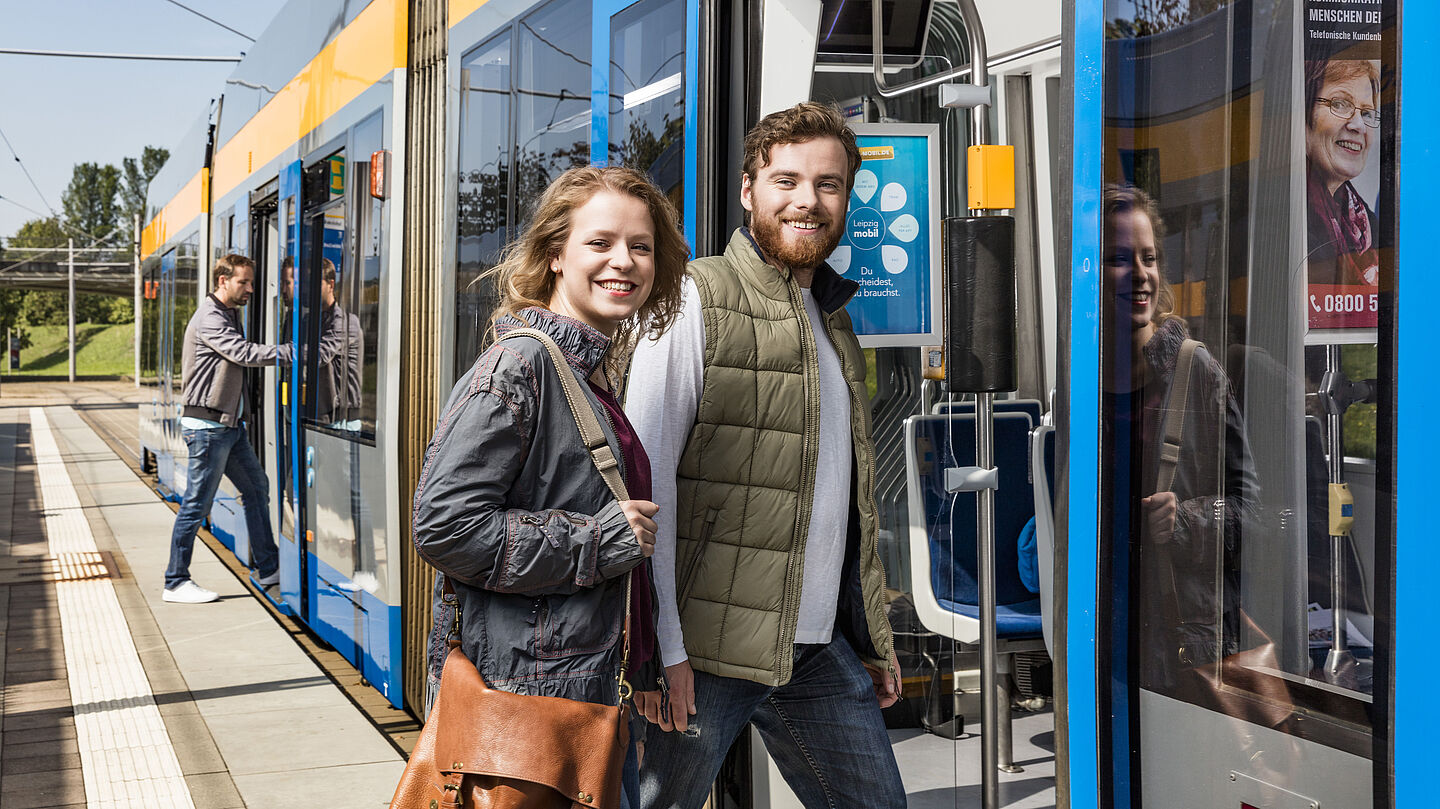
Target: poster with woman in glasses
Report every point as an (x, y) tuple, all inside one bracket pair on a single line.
[(1342, 162)]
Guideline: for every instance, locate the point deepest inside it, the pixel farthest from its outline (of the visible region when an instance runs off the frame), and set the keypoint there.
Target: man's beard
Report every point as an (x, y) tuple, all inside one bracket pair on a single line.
[(806, 255)]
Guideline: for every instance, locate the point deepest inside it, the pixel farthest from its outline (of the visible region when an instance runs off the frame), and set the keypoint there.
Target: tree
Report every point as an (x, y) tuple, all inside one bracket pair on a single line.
[(90, 202), (136, 177)]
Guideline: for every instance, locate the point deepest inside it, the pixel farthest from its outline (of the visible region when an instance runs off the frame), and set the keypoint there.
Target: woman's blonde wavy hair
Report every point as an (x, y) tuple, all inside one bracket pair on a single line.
[(524, 278)]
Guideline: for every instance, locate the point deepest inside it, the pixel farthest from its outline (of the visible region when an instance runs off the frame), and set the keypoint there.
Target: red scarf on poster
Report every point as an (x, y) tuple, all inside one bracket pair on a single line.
[(1346, 220)]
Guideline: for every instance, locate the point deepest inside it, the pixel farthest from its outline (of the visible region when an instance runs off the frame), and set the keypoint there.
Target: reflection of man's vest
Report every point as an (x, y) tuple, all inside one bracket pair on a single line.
[(746, 479)]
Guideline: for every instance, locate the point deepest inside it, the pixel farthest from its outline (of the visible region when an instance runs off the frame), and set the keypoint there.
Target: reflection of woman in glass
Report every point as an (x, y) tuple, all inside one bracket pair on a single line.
[(1342, 125), (509, 504), (1185, 564)]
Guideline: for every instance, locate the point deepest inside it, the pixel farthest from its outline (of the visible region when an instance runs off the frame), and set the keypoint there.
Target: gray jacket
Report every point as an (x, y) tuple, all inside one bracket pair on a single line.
[(510, 505), (214, 359)]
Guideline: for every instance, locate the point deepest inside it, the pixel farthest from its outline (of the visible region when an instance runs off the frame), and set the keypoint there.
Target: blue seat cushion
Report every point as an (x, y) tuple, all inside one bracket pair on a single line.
[(1020, 620)]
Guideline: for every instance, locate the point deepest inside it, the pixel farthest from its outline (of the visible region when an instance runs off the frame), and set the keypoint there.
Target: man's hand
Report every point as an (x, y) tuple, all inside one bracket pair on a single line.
[(640, 513), (1160, 509), (680, 679), (887, 685)]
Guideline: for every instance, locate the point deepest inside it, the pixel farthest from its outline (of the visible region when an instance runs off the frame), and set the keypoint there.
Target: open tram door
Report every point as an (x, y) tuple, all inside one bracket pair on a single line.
[(290, 474), (262, 325), (1237, 181)]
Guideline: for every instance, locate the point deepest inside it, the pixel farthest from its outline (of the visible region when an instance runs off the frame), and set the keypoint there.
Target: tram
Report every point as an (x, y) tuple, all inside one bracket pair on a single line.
[(374, 157)]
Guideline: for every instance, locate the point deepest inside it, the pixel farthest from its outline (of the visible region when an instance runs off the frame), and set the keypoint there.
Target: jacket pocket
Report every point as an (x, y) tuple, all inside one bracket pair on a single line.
[(692, 565), (585, 622)]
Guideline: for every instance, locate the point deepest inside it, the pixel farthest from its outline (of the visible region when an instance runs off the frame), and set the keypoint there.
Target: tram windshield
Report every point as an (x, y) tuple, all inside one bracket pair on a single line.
[(1248, 258)]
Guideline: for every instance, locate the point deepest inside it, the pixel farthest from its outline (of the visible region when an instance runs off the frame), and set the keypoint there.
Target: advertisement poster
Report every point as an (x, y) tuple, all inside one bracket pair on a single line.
[(1342, 163), (891, 243)]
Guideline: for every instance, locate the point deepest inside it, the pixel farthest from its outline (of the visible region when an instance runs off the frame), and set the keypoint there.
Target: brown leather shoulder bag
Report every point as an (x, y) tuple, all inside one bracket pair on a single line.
[(483, 748)]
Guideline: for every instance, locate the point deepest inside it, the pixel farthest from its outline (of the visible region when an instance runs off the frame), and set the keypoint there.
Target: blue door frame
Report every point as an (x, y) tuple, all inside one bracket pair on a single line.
[(289, 483), (1417, 554), (1083, 411), (602, 12)]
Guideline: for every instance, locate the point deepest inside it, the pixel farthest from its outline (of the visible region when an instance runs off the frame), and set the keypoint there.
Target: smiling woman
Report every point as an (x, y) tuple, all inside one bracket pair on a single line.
[(1343, 123)]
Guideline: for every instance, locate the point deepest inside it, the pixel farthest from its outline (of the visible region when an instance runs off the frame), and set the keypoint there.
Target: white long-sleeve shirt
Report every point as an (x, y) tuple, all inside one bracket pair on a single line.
[(663, 392)]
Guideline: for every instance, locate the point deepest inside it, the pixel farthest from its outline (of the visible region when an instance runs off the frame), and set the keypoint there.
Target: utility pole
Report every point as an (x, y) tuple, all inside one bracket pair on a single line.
[(71, 262), (137, 300)]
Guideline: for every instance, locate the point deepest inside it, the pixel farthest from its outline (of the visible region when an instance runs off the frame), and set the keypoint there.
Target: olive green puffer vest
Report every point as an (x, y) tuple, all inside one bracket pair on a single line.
[(747, 475)]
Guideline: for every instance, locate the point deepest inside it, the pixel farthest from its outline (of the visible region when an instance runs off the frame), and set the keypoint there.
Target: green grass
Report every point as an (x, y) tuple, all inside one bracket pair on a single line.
[(99, 351)]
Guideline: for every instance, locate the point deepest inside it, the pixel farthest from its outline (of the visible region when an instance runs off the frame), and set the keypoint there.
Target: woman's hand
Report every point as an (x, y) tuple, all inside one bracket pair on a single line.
[(640, 514), (1159, 509)]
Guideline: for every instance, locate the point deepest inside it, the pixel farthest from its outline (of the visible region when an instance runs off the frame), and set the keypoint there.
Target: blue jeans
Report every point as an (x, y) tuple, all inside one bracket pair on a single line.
[(823, 728), (222, 451)]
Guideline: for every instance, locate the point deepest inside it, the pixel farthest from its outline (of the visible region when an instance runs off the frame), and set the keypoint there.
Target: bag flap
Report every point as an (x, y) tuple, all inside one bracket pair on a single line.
[(576, 748)]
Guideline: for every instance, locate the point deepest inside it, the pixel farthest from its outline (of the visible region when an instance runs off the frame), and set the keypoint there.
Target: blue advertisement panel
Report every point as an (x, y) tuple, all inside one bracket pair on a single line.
[(891, 243)]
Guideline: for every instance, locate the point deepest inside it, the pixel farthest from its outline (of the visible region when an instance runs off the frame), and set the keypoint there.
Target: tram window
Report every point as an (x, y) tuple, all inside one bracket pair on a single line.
[(552, 97), (483, 209), (330, 329), (150, 324), (185, 296), (647, 93), (1226, 585), (359, 291)]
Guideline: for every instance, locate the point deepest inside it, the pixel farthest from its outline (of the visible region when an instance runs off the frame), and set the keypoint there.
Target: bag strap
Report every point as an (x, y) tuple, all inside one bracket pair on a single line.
[(1174, 424), (600, 452), (590, 431)]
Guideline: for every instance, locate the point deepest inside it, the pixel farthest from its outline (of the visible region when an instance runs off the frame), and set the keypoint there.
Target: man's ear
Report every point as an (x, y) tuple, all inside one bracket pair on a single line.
[(745, 200)]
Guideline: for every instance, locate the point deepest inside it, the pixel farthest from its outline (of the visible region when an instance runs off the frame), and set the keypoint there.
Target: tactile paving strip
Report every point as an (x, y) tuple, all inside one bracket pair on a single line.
[(125, 752)]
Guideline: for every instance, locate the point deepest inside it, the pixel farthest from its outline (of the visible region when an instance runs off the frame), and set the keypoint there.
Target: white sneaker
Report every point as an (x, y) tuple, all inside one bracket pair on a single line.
[(188, 593), (270, 580)]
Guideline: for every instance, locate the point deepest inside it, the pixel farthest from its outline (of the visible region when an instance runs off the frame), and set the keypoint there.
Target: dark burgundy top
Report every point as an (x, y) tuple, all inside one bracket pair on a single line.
[(637, 482)]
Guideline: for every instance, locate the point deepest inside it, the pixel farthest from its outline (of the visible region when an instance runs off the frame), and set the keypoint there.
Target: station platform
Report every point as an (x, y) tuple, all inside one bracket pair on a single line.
[(110, 697), (113, 698)]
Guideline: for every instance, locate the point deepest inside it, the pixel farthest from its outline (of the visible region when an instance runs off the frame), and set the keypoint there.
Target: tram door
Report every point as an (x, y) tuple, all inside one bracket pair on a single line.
[(169, 377), (1246, 203), (330, 358), (263, 250), (289, 478)]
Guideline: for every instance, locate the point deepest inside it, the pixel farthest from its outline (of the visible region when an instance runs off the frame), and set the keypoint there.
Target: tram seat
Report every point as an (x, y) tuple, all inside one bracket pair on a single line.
[(943, 527), (943, 563), (1042, 474)]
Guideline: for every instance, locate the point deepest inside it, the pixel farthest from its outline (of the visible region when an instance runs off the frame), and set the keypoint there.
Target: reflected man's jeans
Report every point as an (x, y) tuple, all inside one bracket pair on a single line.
[(823, 728), (215, 452)]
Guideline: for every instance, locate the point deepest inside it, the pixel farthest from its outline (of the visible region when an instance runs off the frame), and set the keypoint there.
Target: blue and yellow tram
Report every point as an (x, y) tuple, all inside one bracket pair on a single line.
[(374, 157)]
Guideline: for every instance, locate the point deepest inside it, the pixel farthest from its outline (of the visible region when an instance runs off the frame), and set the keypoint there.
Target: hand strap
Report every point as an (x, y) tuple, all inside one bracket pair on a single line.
[(600, 452), (1174, 424)]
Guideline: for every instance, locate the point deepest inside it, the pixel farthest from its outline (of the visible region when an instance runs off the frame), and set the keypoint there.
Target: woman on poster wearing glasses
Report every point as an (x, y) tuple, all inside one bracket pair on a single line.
[(1343, 125)]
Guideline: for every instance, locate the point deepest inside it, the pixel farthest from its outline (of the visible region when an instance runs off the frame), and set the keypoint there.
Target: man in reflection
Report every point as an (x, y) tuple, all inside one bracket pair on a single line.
[(754, 412), (337, 386), (1192, 470), (216, 354)]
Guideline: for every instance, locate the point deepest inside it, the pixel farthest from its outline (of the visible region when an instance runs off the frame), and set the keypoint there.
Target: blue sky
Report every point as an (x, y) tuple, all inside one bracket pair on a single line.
[(57, 112)]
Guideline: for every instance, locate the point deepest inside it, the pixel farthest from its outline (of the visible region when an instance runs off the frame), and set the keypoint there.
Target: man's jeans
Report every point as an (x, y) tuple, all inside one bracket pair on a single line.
[(823, 728), (222, 450)]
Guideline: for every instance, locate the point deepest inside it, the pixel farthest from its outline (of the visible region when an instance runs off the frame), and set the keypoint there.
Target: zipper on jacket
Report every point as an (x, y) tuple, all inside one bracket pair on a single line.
[(795, 566), (856, 400)]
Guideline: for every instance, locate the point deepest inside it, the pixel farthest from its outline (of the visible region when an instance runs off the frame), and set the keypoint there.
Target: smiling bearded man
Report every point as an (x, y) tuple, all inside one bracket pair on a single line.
[(754, 412)]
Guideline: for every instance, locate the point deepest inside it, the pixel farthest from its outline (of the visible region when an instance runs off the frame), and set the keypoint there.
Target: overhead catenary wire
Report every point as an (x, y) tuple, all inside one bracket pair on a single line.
[(154, 57), (27, 175), (59, 220), (210, 19)]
